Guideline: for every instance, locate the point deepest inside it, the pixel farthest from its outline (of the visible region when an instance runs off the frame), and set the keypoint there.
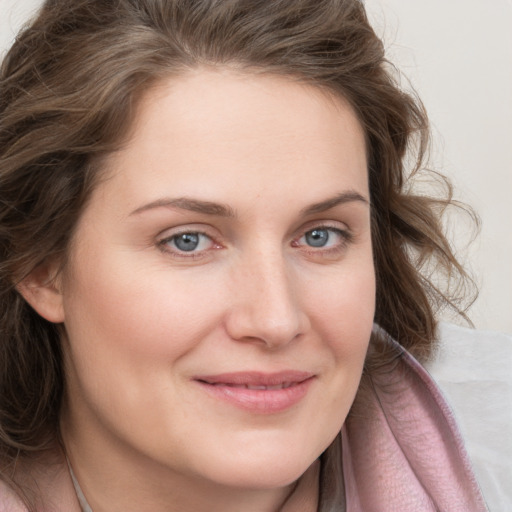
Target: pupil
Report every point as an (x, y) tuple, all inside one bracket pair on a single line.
[(187, 241), (317, 237)]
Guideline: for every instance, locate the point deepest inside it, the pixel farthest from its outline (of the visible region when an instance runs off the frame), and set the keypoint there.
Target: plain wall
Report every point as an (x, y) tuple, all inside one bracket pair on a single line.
[(458, 56)]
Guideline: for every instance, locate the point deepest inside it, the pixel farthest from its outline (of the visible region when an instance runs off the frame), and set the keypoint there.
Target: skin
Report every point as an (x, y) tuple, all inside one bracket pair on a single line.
[(143, 317)]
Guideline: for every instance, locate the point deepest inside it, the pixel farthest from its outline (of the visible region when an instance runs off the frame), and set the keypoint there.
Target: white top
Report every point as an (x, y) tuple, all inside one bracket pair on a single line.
[(473, 368)]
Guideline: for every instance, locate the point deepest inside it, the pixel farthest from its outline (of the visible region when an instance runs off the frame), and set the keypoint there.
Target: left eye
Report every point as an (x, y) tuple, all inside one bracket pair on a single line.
[(188, 242), (322, 237)]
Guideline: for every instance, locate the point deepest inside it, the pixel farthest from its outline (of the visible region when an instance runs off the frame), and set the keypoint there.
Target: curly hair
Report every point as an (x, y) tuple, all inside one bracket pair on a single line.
[(69, 87)]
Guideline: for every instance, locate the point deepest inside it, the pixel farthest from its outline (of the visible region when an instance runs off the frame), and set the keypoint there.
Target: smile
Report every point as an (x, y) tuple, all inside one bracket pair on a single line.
[(284, 385), (258, 392)]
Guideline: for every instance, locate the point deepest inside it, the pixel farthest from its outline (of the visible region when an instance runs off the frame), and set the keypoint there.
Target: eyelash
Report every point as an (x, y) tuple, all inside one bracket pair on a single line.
[(189, 255), (345, 236)]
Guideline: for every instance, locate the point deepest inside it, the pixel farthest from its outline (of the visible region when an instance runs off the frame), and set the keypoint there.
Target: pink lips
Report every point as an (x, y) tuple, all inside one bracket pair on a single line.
[(256, 391)]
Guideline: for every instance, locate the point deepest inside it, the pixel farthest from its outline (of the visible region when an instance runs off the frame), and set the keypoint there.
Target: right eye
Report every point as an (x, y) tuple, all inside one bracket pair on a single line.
[(191, 242)]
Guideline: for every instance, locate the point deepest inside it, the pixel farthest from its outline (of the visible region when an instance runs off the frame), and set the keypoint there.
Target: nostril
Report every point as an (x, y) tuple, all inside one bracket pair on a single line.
[(275, 328), (265, 307)]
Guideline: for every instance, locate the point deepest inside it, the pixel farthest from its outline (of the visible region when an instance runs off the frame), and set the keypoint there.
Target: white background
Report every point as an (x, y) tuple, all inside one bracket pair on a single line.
[(458, 56)]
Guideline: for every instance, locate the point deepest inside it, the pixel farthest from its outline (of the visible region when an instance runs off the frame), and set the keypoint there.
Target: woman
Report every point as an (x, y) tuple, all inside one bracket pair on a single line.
[(204, 211)]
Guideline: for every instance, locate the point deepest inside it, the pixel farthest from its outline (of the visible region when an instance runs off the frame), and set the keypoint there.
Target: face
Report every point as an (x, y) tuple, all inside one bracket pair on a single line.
[(220, 290)]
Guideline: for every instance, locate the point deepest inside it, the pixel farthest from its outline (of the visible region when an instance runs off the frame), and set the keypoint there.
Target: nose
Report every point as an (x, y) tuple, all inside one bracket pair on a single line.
[(265, 306)]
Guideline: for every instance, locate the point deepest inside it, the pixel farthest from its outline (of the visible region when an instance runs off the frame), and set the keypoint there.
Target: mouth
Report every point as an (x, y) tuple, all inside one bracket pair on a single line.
[(258, 392), (284, 385)]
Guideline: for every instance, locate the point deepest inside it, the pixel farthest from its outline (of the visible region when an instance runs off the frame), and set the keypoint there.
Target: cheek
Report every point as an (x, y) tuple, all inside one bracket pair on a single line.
[(343, 318), (137, 313), (343, 308)]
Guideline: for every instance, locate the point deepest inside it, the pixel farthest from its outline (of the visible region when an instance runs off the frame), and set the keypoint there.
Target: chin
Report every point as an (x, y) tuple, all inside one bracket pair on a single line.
[(268, 469), (271, 476)]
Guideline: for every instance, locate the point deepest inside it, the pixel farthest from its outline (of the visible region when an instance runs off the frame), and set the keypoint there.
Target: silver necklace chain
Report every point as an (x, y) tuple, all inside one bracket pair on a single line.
[(79, 494)]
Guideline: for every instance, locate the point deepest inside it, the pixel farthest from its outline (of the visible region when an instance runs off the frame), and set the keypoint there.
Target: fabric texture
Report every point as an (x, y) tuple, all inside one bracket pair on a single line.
[(473, 368), (401, 447)]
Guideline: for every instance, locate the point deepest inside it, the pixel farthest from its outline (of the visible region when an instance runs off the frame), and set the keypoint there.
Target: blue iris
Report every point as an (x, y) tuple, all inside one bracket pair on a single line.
[(317, 237), (187, 241)]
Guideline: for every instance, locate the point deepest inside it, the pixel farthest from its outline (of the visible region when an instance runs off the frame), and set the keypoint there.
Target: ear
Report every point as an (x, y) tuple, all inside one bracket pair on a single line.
[(42, 290)]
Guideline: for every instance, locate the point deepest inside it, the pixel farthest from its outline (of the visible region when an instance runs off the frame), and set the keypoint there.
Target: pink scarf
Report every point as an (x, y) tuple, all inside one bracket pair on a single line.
[(402, 450)]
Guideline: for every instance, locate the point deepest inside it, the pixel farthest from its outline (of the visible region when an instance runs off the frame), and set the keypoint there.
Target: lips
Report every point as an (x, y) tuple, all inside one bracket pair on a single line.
[(284, 385), (257, 391)]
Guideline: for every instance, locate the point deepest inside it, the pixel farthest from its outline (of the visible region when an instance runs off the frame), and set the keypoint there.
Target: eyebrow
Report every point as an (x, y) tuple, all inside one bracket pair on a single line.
[(193, 205), (343, 198), (223, 210)]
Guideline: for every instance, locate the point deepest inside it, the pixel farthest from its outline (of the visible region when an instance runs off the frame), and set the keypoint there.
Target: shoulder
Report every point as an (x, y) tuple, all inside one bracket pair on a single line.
[(47, 483), (473, 370), (9, 501)]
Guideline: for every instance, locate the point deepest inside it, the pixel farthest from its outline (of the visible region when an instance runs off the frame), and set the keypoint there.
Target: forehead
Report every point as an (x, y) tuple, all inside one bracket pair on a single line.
[(209, 129)]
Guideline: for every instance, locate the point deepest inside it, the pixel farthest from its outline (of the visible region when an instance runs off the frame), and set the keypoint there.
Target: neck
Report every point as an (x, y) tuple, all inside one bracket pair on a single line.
[(304, 497), (113, 478), (196, 499)]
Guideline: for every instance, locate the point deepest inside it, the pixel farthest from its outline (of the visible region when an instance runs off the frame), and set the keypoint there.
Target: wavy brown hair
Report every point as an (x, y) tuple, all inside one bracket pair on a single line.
[(69, 87)]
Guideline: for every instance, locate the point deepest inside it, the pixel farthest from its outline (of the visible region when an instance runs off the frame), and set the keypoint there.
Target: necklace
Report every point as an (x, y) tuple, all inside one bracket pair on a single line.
[(79, 494)]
